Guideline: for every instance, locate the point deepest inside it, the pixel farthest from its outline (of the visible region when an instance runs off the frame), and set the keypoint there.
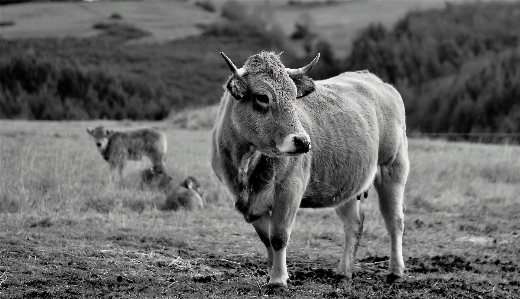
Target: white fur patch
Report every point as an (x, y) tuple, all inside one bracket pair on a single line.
[(288, 145), (370, 179), (103, 146)]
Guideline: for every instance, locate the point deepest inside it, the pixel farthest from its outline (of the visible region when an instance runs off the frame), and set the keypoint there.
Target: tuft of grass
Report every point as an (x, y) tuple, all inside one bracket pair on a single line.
[(206, 5), (7, 23), (194, 119), (123, 31), (504, 172), (116, 16)]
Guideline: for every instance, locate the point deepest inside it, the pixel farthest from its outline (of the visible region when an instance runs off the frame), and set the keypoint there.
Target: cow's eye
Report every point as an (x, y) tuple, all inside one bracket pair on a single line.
[(262, 100)]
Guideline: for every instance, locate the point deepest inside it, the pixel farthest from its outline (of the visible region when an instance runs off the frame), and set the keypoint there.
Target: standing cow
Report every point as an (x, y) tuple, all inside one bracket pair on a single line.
[(118, 146), (284, 141)]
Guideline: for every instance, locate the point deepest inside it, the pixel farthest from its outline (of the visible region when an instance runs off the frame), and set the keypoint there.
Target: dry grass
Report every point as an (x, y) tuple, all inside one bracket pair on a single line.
[(55, 168), (195, 119), (461, 199), (52, 169)]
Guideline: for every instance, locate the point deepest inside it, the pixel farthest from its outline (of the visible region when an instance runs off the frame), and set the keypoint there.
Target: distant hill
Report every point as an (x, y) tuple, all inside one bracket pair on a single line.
[(457, 68), (336, 22)]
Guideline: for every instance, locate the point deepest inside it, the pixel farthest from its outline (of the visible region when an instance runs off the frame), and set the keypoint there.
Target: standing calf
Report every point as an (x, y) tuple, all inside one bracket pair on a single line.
[(117, 147)]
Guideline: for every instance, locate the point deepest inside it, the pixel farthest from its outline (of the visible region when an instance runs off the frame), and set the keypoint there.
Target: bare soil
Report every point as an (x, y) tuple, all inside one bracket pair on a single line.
[(66, 259)]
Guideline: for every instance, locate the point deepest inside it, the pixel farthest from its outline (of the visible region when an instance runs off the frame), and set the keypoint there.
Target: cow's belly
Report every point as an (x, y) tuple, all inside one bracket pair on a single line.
[(339, 176), (320, 194)]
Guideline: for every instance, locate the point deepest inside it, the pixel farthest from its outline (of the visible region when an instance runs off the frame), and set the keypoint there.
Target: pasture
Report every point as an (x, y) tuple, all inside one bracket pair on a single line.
[(66, 232), (338, 23)]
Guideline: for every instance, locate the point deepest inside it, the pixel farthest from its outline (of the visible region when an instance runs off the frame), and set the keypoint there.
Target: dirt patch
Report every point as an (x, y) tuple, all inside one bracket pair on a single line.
[(122, 264)]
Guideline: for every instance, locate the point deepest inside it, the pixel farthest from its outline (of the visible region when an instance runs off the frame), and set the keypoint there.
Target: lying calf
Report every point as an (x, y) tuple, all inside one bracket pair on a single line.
[(188, 195)]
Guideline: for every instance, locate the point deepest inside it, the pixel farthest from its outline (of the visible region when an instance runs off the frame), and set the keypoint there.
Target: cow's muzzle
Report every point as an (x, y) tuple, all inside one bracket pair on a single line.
[(295, 144), (302, 144)]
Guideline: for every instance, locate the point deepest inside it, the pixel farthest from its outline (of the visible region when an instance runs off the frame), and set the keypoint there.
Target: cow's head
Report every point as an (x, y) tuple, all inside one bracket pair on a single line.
[(101, 137), (265, 110)]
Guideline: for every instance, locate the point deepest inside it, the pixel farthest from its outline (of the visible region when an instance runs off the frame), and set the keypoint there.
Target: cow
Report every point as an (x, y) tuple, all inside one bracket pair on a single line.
[(283, 141), (118, 146)]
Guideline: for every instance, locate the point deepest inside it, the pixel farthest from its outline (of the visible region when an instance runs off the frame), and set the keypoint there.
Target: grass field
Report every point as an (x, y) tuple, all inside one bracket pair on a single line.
[(67, 233), (168, 20)]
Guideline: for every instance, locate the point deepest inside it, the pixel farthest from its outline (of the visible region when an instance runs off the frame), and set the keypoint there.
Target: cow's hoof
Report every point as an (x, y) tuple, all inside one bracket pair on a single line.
[(344, 280), (277, 289), (392, 278)]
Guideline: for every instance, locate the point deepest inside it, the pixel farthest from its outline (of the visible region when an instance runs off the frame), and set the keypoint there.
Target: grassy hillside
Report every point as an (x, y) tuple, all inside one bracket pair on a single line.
[(456, 67), (338, 23), (67, 232), (166, 20)]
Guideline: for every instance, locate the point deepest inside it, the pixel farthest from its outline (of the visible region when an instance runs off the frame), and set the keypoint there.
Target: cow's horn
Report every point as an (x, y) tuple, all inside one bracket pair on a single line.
[(238, 72), (303, 70)]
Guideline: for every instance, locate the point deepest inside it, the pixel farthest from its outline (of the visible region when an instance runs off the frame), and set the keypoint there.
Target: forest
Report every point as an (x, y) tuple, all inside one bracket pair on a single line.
[(457, 69)]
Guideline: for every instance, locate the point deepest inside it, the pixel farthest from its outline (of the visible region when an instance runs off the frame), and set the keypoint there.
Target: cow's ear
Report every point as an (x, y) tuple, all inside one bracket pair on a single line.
[(90, 131), (189, 183), (109, 132), (304, 85), (237, 87)]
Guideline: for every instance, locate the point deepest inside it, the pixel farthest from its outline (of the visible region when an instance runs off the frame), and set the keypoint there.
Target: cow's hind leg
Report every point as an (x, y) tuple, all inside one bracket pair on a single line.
[(352, 219), (262, 227), (390, 183)]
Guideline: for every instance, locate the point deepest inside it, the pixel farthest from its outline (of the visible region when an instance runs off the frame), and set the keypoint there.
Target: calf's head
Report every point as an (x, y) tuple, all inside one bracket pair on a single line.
[(192, 183), (264, 110), (101, 136), (156, 177)]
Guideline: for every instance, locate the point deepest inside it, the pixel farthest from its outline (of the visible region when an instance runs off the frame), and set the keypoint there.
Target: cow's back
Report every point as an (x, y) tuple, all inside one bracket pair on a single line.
[(356, 122), (388, 105)]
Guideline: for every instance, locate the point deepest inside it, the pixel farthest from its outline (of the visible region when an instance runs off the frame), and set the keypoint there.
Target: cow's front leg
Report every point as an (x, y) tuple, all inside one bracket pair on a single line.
[(262, 227), (286, 202)]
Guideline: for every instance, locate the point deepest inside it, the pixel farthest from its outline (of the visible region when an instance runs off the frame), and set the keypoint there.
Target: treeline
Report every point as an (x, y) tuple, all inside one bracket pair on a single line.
[(102, 78), (458, 69)]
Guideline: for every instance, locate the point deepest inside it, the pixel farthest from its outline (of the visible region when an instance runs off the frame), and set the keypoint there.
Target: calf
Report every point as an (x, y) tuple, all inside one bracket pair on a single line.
[(155, 177), (188, 195), (117, 147)]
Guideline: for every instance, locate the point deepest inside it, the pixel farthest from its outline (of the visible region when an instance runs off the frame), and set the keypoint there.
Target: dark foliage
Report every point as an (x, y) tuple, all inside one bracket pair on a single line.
[(206, 5), (457, 69), (100, 77)]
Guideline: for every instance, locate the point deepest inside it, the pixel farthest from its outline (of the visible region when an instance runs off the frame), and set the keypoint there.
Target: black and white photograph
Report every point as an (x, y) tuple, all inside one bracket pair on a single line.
[(260, 149)]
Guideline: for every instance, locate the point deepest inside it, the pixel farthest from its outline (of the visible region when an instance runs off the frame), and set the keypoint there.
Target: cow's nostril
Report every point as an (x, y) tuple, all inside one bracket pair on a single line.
[(302, 145)]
